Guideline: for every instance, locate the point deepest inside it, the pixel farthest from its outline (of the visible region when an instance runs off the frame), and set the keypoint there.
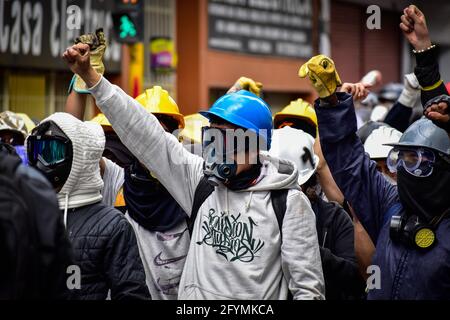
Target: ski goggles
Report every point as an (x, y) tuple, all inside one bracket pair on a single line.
[(418, 162), (48, 150)]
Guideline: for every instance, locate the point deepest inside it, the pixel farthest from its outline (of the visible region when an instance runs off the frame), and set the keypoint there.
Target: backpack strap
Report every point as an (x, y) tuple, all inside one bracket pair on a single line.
[(202, 192), (279, 205)]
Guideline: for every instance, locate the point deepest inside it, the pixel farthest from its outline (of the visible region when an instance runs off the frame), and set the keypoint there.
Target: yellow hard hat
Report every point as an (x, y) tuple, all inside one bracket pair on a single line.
[(192, 132), (101, 120), (158, 101), (297, 109)]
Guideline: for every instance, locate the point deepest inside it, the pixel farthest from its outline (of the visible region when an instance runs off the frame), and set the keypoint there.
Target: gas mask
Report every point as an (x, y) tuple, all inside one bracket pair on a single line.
[(50, 151), (218, 155), (423, 180)]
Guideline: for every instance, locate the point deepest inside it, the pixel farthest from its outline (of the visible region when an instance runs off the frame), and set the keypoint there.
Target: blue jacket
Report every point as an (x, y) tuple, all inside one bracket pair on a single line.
[(406, 273)]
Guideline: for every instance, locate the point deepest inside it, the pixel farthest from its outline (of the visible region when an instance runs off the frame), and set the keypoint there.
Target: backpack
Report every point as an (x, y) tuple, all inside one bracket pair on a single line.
[(205, 189), (29, 269)]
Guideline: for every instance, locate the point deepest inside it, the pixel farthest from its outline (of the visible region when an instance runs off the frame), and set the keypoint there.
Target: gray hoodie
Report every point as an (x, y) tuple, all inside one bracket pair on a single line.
[(236, 250)]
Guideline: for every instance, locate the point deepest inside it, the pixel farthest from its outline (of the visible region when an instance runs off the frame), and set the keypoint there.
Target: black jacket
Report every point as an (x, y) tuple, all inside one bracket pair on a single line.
[(336, 239), (34, 249), (106, 250)]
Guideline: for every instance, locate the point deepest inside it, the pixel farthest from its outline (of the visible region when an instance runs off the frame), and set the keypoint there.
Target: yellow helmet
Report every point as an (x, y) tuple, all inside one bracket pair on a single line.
[(192, 132), (158, 101), (101, 120), (297, 109)]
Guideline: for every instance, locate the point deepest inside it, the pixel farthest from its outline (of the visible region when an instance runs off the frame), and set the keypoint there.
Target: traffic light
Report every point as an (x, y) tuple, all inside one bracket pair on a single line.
[(128, 19)]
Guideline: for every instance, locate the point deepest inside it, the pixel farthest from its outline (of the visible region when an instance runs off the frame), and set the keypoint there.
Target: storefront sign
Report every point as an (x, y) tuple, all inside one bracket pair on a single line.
[(36, 33), (264, 27)]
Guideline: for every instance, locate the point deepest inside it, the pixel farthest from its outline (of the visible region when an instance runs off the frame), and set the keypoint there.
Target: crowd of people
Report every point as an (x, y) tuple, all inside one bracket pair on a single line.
[(142, 202)]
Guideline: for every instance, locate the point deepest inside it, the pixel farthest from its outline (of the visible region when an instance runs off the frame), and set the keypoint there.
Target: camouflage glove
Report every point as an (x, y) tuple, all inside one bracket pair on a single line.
[(97, 44), (322, 74), (247, 84)]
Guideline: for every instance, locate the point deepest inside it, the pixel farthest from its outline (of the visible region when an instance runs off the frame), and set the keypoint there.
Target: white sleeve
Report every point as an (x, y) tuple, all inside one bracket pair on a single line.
[(175, 167), (300, 253), (113, 178)]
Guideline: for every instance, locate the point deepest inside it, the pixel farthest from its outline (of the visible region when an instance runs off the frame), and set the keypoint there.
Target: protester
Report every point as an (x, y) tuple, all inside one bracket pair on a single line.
[(375, 147), (158, 221), (34, 247), (405, 223), (334, 226), (13, 131), (68, 151), (434, 93), (241, 196)]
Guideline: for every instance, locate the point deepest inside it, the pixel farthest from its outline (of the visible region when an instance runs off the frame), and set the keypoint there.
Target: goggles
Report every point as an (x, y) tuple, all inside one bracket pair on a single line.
[(418, 162), (49, 151)]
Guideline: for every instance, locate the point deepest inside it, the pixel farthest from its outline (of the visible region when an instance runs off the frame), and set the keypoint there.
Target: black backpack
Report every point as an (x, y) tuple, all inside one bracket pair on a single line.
[(204, 190), (28, 269)]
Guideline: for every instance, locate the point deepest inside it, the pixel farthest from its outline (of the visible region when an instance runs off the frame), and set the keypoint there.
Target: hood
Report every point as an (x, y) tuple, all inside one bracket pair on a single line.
[(84, 184), (276, 174)]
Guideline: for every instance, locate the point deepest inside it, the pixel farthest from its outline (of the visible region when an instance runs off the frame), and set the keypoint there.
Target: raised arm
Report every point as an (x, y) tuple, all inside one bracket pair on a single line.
[(356, 176), (414, 27), (175, 167)]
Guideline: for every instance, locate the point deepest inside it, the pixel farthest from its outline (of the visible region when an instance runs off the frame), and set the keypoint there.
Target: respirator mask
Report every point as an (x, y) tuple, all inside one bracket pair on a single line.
[(223, 149)]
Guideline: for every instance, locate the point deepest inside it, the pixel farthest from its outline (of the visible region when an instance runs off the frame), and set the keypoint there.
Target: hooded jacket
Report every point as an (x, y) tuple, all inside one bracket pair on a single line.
[(103, 241), (236, 250), (405, 272)]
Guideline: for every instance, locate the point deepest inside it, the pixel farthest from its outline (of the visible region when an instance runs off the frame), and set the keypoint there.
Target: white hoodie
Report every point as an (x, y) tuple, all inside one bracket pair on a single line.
[(84, 184), (236, 250)]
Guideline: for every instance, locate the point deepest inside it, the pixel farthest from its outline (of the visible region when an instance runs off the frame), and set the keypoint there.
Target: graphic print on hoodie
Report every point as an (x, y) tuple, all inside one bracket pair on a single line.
[(265, 271)]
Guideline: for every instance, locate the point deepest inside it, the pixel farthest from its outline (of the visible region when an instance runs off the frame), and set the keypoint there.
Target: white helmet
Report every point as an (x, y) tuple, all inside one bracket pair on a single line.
[(374, 144), (297, 146)]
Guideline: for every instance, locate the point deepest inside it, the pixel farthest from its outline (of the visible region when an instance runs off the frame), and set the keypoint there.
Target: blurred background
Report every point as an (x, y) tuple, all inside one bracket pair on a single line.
[(196, 49)]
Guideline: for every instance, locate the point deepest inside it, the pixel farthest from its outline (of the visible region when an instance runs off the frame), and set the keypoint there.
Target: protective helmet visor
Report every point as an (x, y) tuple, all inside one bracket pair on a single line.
[(418, 162), (48, 150)]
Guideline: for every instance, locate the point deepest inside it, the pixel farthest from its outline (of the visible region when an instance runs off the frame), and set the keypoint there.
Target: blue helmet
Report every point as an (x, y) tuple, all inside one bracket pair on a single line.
[(246, 110)]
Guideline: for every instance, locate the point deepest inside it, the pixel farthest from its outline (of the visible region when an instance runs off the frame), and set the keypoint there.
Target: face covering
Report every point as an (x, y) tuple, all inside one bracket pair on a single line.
[(148, 202), (244, 179), (427, 197), (117, 152)]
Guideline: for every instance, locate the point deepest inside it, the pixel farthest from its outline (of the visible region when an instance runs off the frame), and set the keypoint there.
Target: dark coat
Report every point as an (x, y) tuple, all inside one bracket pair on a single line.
[(106, 250), (337, 249)]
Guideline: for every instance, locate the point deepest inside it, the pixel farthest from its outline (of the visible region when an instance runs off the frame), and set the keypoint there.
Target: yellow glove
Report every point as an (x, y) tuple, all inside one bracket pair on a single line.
[(247, 84), (97, 44), (322, 74)]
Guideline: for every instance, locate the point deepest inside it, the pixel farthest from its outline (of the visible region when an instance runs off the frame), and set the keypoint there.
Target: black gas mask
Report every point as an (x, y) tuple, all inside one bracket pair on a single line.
[(50, 151)]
